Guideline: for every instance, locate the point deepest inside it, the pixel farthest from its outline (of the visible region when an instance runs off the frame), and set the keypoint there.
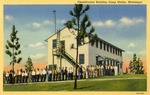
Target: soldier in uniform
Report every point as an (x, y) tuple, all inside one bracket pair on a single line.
[(41, 74), (37, 75), (10, 77), (93, 73), (56, 73), (71, 73), (53, 74), (62, 73), (26, 76), (81, 71), (7, 77), (50, 75), (14, 77), (4, 77), (20, 75), (23, 76), (33, 76), (110, 71), (102, 70), (17, 75), (44, 74), (66, 73), (78, 69), (59, 74)]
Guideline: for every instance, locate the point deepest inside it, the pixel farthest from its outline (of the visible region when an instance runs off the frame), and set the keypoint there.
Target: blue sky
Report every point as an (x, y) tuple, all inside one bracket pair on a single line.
[(121, 25)]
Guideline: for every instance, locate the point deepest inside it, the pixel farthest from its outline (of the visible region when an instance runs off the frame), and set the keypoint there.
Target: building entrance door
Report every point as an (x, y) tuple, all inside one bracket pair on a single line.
[(62, 46), (100, 62), (118, 68)]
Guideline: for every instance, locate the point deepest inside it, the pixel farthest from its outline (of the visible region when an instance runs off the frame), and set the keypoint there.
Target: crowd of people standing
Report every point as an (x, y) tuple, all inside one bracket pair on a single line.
[(58, 74)]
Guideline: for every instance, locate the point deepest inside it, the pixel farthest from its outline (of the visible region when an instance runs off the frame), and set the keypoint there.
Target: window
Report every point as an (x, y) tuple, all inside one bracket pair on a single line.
[(50, 67), (110, 49), (100, 44), (62, 43), (104, 46), (120, 53), (113, 50), (107, 48), (54, 43), (81, 58), (97, 43), (92, 44), (120, 65), (96, 60), (107, 62), (113, 63), (116, 51)]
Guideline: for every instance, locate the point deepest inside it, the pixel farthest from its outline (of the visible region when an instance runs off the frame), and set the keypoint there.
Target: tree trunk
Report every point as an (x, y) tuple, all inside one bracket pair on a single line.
[(75, 82), (13, 65), (13, 75)]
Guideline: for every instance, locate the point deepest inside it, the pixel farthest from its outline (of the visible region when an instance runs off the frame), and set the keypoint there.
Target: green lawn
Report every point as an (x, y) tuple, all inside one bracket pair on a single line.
[(124, 76), (107, 85)]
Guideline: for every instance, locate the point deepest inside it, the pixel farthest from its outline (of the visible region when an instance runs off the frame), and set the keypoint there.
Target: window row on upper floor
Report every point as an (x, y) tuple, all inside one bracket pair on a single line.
[(107, 47)]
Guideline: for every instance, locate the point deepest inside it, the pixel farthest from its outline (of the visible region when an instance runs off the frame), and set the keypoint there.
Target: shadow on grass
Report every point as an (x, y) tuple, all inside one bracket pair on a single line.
[(84, 87)]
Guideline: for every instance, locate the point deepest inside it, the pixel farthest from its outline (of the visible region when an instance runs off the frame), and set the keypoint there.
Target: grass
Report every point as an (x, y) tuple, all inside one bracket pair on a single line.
[(107, 85), (124, 76)]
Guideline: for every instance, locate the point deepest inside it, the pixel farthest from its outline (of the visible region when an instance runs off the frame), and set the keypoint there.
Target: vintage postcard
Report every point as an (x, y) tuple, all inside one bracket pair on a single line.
[(75, 47)]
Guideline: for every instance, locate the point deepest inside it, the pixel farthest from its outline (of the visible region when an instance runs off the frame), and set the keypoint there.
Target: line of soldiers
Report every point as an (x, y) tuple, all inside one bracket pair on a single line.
[(45, 75), (99, 71)]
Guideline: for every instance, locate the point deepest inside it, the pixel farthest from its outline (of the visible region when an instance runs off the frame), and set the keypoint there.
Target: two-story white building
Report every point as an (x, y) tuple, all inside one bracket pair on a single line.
[(101, 52)]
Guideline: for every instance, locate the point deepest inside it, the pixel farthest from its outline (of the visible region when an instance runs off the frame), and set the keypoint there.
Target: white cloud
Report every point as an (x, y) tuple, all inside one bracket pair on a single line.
[(38, 56), (142, 52), (131, 44), (33, 25), (129, 53), (37, 45), (107, 23), (130, 21), (61, 21), (98, 23), (36, 25), (9, 17), (124, 21), (47, 22)]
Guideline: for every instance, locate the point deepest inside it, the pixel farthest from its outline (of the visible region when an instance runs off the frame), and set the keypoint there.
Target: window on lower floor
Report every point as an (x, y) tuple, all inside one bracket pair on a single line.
[(81, 58), (97, 60), (54, 43), (120, 65), (107, 62)]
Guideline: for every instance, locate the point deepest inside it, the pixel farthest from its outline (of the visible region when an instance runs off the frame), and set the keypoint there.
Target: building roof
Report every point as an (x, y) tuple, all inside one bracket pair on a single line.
[(98, 39), (54, 34)]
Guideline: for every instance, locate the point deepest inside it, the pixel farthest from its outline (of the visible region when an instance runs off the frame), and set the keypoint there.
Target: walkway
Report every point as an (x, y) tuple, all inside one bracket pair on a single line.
[(77, 80)]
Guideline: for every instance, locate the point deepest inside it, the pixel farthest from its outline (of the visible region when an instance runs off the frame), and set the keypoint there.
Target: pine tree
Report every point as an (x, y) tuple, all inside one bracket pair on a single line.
[(80, 23), (136, 66), (29, 66), (12, 49)]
